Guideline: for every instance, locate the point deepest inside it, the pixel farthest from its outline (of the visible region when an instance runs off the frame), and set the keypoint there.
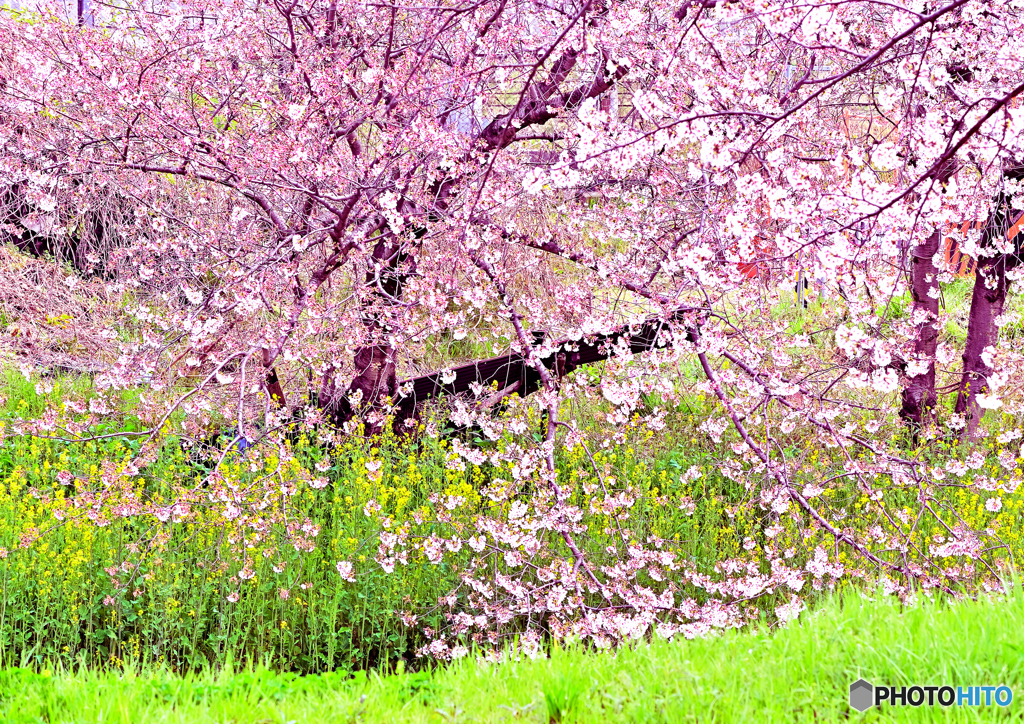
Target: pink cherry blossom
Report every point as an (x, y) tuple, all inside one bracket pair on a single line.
[(345, 571)]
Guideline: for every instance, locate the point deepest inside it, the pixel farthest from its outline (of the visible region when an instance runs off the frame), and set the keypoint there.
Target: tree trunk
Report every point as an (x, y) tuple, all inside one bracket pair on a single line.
[(271, 381), (375, 364), (919, 395), (990, 286), (987, 301), (919, 398)]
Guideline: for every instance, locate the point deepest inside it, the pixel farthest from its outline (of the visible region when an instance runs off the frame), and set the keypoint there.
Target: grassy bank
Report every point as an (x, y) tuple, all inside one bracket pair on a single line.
[(798, 674)]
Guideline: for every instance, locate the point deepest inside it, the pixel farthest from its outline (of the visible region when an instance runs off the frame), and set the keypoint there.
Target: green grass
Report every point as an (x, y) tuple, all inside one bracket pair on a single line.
[(797, 674)]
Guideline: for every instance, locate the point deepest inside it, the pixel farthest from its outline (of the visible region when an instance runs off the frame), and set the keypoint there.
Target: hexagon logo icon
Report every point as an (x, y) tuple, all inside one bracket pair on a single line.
[(861, 695)]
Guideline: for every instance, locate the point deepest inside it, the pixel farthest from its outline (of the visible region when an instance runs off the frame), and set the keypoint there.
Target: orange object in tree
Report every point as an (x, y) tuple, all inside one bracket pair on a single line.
[(758, 266), (955, 260), (959, 263)]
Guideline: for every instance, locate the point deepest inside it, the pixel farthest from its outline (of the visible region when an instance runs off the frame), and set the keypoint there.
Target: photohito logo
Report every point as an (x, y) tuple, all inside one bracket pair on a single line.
[(863, 695)]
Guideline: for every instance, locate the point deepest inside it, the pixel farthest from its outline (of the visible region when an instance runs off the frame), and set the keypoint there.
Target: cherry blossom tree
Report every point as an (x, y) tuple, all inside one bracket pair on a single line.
[(349, 189)]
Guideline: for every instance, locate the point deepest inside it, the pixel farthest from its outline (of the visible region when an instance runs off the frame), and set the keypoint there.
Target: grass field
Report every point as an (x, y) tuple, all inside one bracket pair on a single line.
[(797, 674)]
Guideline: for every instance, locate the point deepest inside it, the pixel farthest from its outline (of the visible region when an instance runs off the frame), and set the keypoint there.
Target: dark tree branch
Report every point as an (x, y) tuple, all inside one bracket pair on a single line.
[(514, 368)]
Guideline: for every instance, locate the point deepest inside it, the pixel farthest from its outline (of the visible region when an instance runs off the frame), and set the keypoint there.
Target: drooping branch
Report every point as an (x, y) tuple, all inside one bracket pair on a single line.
[(90, 238), (779, 474)]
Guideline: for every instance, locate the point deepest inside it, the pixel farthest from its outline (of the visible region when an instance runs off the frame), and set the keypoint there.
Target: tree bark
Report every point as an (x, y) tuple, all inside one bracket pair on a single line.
[(919, 397), (271, 381), (375, 364), (987, 302), (515, 371)]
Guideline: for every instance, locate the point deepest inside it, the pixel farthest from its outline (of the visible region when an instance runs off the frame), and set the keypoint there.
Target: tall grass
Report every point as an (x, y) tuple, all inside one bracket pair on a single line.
[(75, 594), (798, 674)]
